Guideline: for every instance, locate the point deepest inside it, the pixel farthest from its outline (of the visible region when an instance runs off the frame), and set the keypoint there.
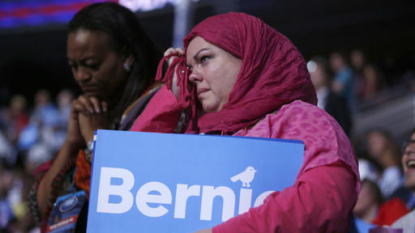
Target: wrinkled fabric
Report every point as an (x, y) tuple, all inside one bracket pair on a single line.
[(329, 169), (273, 72)]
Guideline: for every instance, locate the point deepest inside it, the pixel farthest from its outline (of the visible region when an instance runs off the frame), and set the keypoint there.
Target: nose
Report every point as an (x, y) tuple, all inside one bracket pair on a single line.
[(82, 75), (195, 76)]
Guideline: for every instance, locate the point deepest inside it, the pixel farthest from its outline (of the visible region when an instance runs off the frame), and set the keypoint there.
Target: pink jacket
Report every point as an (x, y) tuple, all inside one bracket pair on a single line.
[(327, 184)]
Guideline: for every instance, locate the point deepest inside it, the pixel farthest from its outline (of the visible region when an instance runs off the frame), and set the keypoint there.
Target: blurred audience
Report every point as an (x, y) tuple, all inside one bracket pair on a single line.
[(333, 103), (371, 209), (384, 152), (24, 144), (45, 133), (373, 81), (357, 61), (343, 83), (64, 99), (18, 116)]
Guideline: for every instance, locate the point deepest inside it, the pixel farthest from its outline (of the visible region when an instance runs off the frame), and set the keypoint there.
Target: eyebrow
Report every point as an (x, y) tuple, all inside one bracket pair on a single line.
[(84, 59)]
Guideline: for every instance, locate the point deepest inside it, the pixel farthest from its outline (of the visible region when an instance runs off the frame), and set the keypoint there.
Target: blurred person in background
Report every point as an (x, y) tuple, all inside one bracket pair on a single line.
[(114, 62), (44, 122), (373, 81), (371, 208), (408, 77), (357, 61), (45, 111), (384, 152), (6, 209), (64, 100), (334, 104), (8, 154), (343, 83), (15, 184), (19, 116), (407, 222), (369, 199), (15, 118), (39, 140)]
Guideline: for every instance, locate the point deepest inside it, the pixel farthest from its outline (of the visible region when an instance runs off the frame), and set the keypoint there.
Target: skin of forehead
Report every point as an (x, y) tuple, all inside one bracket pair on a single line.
[(82, 35)]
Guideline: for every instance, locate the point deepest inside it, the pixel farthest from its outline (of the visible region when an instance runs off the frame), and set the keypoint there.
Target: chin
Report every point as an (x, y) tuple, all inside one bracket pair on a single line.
[(209, 109), (410, 183)]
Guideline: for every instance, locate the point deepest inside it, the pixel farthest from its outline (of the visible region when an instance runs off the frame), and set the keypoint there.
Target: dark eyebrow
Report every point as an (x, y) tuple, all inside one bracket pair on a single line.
[(197, 54)]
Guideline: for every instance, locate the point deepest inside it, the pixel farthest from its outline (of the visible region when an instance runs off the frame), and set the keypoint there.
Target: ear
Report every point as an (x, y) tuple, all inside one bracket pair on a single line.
[(129, 60)]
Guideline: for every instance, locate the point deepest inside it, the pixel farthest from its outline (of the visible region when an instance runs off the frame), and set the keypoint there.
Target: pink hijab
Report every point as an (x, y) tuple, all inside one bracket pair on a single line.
[(273, 72)]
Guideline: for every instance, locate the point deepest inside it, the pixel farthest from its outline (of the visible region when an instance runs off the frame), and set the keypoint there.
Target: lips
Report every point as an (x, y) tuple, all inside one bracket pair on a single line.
[(410, 167), (201, 91), (89, 88)]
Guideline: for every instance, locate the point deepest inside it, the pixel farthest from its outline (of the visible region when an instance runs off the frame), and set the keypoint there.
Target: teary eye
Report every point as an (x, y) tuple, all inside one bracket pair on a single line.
[(92, 66), (204, 59), (73, 66)]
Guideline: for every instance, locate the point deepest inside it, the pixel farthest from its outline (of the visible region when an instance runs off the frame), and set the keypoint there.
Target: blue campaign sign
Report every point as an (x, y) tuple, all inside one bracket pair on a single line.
[(152, 182)]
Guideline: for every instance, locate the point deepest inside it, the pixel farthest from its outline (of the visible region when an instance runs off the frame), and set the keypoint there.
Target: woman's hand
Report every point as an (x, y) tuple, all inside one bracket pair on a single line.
[(176, 52), (92, 117), (74, 139), (87, 115)]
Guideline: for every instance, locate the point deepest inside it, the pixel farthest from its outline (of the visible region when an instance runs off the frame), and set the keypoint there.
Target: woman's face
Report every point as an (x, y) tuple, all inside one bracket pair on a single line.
[(214, 72), (96, 67), (377, 142)]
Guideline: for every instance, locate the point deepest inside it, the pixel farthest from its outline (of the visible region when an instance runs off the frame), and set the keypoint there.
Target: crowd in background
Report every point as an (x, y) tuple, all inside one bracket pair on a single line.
[(31, 135)]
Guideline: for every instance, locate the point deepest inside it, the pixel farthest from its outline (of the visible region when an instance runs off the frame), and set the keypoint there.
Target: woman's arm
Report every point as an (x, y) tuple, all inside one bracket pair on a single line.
[(320, 201), (45, 186), (161, 114), (84, 110)]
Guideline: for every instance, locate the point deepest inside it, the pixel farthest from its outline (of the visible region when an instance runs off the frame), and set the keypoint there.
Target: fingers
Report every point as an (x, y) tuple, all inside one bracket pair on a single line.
[(104, 106), (89, 105), (175, 52)]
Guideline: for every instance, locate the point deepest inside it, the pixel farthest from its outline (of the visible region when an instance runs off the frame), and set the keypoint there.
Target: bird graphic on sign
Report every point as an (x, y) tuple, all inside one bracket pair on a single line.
[(245, 177)]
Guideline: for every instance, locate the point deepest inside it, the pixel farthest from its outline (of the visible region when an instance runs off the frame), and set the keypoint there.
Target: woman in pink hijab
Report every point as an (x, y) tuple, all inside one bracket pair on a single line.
[(238, 76)]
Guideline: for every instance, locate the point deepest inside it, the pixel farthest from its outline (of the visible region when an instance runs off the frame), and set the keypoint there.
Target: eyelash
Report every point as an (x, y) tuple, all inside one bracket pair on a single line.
[(202, 59), (93, 66), (73, 66)]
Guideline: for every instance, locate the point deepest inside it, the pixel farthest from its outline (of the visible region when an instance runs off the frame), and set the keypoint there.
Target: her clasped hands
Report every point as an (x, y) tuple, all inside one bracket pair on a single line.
[(87, 115)]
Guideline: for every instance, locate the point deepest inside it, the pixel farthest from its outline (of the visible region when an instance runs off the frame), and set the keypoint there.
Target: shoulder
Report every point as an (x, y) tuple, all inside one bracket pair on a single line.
[(324, 140), (300, 121), (303, 116)]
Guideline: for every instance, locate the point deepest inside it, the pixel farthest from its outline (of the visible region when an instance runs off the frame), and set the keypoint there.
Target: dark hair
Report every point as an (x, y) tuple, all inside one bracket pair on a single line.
[(374, 189), (126, 35)]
